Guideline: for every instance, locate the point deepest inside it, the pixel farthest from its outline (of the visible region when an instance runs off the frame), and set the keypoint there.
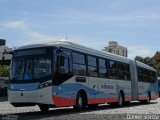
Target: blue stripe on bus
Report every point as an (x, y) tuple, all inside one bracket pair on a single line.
[(24, 87), (66, 90), (153, 88), (70, 90)]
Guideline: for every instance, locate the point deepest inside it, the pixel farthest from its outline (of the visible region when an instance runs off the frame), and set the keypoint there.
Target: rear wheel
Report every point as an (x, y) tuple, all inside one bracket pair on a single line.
[(120, 100), (148, 100), (44, 108)]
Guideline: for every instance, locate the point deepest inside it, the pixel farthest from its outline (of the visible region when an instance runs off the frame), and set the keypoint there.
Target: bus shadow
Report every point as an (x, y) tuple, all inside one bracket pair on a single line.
[(63, 113)]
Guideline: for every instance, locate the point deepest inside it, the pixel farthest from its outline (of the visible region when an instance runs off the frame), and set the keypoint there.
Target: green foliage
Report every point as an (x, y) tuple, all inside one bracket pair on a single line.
[(4, 71), (153, 62), (138, 58)]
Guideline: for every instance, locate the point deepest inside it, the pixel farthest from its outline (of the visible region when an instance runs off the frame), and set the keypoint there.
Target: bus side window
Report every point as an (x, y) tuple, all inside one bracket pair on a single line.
[(79, 63), (140, 74), (102, 68), (112, 69), (120, 72), (92, 66), (126, 71)]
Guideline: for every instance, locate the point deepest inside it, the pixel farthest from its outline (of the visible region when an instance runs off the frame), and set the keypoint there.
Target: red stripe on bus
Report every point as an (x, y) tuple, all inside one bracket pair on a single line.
[(154, 96), (95, 100), (62, 102), (111, 100), (128, 98), (101, 100), (142, 97), (105, 100)]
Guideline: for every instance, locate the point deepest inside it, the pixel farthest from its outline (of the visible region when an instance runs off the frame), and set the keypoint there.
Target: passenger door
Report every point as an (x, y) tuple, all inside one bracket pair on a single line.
[(93, 81), (104, 83)]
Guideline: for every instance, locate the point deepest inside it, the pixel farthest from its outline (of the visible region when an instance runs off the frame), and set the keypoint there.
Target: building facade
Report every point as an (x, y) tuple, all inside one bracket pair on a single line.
[(6, 57), (114, 48)]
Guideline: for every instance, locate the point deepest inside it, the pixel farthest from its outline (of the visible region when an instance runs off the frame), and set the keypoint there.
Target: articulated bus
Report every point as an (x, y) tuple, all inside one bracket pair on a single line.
[(63, 73)]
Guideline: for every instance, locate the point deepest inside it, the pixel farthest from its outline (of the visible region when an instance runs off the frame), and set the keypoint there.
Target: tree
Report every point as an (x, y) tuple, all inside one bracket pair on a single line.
[(139, 58), (153, 62), (156, 57), (4, 71)]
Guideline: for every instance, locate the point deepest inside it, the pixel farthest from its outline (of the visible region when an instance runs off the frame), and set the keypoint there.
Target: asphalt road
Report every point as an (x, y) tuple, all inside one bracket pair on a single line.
[(133, 111)]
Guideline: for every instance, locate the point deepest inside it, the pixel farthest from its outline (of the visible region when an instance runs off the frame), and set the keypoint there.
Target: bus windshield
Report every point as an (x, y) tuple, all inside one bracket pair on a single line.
[(30, 68)]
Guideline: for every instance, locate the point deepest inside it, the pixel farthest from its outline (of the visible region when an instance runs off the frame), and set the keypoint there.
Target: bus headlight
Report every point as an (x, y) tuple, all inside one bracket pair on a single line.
[(45, 84)]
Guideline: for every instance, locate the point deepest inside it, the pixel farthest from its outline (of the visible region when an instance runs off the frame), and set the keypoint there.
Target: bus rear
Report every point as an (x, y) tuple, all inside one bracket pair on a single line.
[(31, 77)]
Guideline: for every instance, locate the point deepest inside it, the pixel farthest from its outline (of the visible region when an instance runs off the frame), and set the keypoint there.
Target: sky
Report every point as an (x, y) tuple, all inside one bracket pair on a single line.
[(134, 24)]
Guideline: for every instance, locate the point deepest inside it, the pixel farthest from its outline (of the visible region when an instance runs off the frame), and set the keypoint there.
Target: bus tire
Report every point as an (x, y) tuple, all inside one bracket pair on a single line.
[(120, 99), (43, 108), (148, 100), (80, 102)]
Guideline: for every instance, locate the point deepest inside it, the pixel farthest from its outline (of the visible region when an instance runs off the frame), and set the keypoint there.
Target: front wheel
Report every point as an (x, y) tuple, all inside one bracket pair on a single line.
[(80, 103)]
